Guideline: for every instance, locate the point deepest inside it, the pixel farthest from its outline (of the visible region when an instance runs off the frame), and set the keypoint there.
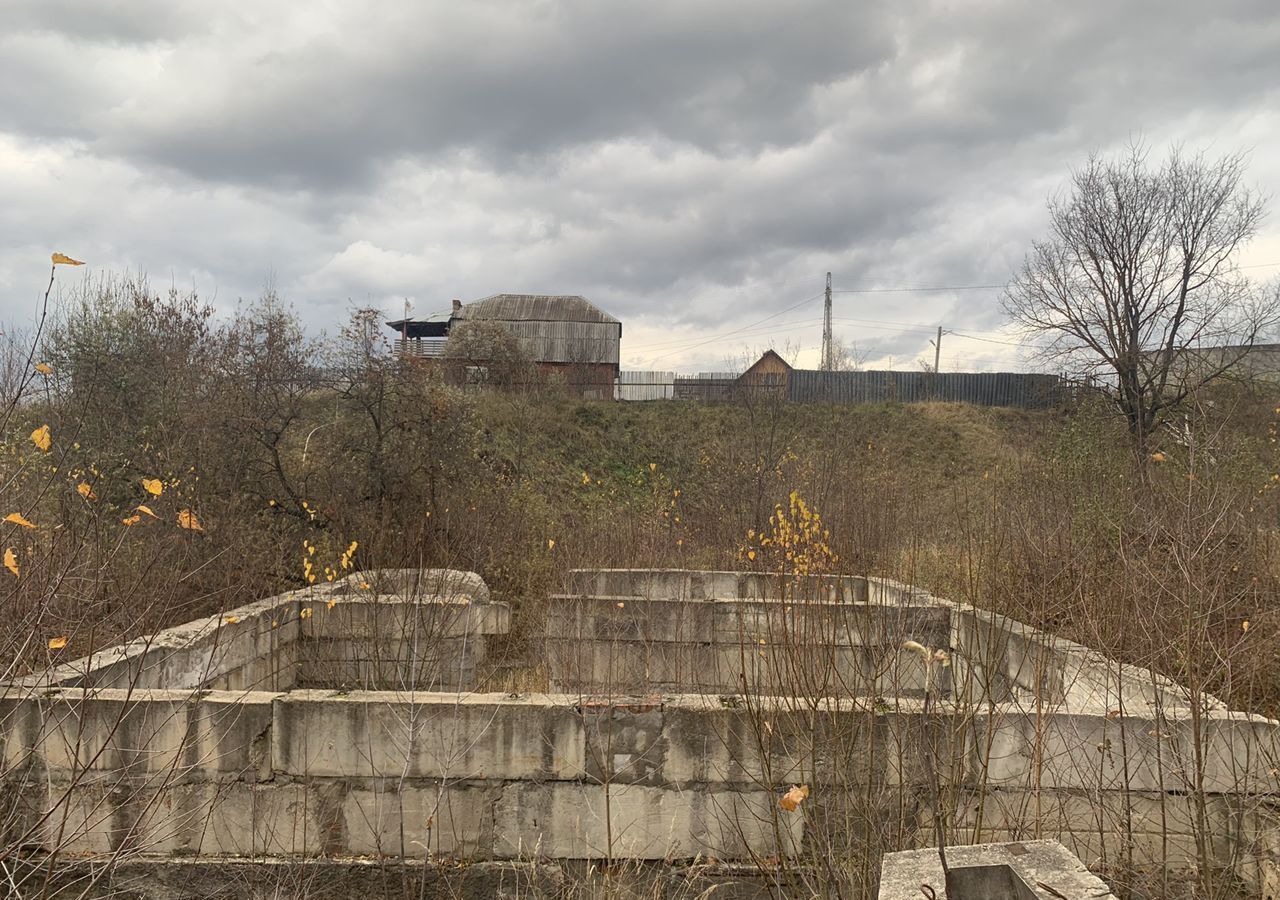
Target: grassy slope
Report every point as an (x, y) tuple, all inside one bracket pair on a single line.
[(1039, 514)]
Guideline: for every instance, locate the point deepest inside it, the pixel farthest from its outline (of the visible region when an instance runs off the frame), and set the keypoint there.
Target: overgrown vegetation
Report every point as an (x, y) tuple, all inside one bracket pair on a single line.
[(192, 465), (274, 440)]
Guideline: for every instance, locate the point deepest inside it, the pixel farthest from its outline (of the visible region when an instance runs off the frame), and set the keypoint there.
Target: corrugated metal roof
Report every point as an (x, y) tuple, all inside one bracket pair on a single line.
[(535, 308)]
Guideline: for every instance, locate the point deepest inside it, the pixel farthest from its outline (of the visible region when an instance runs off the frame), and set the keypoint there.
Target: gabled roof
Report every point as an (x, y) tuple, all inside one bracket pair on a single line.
[(535, 308), (769, 355)]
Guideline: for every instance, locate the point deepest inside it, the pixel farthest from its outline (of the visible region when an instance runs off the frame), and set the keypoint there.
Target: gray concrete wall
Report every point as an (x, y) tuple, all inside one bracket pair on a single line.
[(1027, 735), (400, 632), (685, 584), (627, 644), (493, 776)]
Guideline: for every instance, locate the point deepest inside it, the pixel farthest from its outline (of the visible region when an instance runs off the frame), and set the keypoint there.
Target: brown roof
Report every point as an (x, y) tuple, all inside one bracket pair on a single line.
[(769, 354), (535, 308)]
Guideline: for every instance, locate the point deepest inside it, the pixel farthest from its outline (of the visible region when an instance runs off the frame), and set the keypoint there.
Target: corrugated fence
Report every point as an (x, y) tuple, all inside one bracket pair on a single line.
[(979, 388), (812, 386)]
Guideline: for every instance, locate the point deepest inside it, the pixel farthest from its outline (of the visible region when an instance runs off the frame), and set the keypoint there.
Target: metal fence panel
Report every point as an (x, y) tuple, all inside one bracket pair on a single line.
[(979, 388)]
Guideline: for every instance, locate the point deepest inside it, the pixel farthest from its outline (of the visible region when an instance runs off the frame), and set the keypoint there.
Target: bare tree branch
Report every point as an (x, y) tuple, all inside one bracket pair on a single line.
[(1138, 280)]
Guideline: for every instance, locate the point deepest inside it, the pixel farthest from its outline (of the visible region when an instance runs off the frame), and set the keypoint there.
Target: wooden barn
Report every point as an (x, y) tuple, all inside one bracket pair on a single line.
[(566, 338)]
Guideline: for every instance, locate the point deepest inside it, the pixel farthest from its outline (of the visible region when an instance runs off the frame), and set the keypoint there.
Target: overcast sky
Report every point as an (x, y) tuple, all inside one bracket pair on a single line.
[(690, 166)]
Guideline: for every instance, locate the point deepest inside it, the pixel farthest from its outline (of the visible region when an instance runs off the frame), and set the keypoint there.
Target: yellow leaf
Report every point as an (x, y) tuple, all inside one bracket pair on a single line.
[(331, 604), (61, 259), (44, 368), (1244, 626), (11, 561), (86, 491), (792, 799), (551, 543), (231, 620), (131, 520), (1157, 457), (40, 437), (146, 510), (154, 486), (653, 467), (57, 643), (19, 519), (187, 519)]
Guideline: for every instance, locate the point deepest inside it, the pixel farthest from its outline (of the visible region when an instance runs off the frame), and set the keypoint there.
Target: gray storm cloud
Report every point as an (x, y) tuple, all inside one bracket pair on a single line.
[(692, 167)]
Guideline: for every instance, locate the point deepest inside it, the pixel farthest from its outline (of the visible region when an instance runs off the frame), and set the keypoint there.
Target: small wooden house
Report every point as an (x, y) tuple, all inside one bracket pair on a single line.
[(767, 376)]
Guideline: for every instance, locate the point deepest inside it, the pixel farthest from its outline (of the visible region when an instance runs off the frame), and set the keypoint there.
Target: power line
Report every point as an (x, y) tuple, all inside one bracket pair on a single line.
[(751, 333), (888, 326), (920, 290), (974, 337), (684, 345), (726, 334), (763, 331), (676, 343), (976, 287)]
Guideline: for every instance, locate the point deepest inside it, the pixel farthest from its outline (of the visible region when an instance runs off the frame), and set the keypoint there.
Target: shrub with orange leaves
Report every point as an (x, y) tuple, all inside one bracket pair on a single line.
[(796, 542)]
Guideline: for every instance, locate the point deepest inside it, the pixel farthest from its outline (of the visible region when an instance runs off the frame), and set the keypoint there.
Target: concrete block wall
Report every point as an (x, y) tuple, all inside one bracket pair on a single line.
[(370, 644), (1006, 658), (653, 631), (685, 584), (318, 772), (386, 634), (310, 773), (626, 761), (625, 644)]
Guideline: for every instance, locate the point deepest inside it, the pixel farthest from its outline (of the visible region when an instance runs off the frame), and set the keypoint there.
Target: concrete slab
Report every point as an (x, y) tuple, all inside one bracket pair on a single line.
[(1021, 870)]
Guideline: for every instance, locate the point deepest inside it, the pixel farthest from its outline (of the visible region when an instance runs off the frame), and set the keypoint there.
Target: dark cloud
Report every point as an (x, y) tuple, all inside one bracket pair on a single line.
[(506, 80), (694, 167)]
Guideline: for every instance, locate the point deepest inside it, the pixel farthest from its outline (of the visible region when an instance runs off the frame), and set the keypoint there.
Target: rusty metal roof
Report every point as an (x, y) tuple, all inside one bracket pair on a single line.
[(535, 308)]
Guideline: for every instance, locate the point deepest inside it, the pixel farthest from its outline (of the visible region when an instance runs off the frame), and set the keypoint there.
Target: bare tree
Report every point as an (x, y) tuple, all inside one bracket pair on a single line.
[(483, 351), (1137, 283), (846, 357)]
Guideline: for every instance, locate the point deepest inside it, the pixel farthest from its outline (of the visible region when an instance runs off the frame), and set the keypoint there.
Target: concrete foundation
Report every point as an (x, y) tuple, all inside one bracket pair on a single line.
[(694, 716)]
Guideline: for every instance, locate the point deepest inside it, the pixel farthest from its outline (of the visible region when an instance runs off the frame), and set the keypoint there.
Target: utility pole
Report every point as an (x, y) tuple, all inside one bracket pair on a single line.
[(937, 352), (828, 363)]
